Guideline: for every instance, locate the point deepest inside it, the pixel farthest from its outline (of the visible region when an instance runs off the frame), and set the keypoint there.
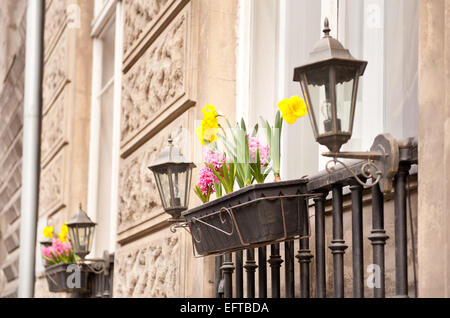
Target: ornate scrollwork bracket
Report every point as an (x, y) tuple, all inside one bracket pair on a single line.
[(98, 265), (177, 223), (381, 166)]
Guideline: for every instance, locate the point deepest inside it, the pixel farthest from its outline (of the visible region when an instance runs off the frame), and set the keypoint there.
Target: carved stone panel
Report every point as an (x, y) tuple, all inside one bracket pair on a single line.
[(11, 267), (150, 269), (51, 185), (156, 80), (53, 129), (55, 18), (139, 17), (13, 212), (138, 194), (55, 74)]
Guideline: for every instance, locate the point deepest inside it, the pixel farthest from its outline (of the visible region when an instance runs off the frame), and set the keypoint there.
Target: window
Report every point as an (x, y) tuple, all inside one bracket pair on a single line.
[(280, 35), (105, 123)]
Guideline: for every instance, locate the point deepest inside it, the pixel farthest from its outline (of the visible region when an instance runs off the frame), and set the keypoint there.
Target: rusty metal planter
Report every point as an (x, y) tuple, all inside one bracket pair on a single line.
[(58, 276), (257, 214)]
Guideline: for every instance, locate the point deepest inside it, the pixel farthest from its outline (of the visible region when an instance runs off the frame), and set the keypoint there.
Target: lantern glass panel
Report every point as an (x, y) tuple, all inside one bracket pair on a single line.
[(179, 186), (73, 234), (321, 83), (162, 181), (187, 186), (346, 79), (319, 101), (81, 237)]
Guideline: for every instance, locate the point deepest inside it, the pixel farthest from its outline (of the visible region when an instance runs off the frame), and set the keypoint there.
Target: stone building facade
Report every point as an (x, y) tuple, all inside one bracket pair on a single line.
[(12, 64), (119, 77)]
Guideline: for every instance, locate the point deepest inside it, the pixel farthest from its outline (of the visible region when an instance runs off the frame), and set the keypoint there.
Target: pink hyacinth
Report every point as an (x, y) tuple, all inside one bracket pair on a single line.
[(214, 158), (47, 251), (60, 248), (67, 247), (206, 180), (254, 145)]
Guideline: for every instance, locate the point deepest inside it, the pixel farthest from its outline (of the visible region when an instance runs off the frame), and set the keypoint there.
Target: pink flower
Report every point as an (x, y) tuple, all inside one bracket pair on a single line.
[(215, 159), (58, 247), (206, 179), (67, 247), (47, 251), (254, 145)]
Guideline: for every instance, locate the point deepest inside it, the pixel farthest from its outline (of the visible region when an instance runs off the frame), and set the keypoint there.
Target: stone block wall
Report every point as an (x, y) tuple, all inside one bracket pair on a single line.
[(12, 66), (179, 56), (66, 105)]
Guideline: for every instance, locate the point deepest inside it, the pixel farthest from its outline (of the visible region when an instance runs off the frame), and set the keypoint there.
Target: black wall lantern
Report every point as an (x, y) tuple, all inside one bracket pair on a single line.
[(329, 81), (81, 233), (173, 176)]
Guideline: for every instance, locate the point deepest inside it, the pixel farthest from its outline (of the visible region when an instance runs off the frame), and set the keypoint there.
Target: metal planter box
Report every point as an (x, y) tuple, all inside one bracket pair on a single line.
[(59, 278), (257, 214)]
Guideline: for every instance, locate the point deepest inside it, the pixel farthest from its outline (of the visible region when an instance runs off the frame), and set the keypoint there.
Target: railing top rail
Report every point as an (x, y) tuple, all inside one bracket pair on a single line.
[(322, 181)]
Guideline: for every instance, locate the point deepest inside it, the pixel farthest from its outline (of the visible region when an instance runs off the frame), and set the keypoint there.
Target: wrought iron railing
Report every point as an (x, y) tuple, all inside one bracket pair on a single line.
[(238, 270)]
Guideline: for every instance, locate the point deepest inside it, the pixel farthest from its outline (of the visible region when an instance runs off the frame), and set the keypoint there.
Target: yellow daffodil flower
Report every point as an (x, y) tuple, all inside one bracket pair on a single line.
[(62, 238), (208, 130), (292, 109), (209, 134), (210, 114), (63, 234), (48, 232)]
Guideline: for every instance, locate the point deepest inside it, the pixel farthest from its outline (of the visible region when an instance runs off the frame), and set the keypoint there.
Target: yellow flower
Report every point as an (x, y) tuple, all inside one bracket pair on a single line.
[(63, 234), (48, 231), (292, 109), (208, 130), (210, 114)]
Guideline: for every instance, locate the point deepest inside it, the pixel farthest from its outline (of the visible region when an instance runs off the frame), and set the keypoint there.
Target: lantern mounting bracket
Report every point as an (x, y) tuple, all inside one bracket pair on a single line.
[(98, 265), (381, 166)]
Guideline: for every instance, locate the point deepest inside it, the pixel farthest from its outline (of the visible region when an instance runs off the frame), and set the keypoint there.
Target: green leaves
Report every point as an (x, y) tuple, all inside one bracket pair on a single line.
[(199, 193), (242, 165), (273, 135), (259, 172), (57, 258), (236, 144), (226, 176)]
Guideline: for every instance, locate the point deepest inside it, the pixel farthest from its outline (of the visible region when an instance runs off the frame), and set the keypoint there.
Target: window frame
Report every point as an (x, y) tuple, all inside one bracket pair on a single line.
[(106, 12)]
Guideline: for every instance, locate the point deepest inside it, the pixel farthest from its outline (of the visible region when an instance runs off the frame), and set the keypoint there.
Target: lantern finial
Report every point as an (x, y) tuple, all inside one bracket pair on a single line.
[(326, 27)]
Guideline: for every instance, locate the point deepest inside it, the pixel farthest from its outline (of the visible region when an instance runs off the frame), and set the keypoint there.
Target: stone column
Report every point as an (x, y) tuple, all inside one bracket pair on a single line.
[(434, 149)]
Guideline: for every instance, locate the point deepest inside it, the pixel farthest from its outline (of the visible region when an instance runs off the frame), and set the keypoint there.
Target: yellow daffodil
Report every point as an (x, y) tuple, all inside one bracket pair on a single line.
[(208, 130), (208, 134), (63, 234), (210, 114), (48, 232), (292, 109)]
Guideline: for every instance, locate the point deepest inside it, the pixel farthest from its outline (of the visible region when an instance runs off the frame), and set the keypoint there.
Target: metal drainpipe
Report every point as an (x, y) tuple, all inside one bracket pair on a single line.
[(31, 147)]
